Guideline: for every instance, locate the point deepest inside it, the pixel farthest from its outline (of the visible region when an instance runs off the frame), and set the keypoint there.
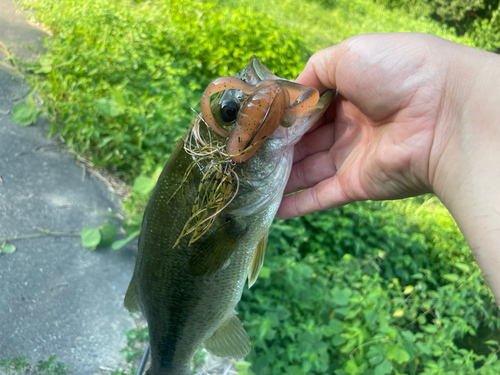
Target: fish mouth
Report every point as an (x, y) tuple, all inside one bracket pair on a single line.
[(255, 72)]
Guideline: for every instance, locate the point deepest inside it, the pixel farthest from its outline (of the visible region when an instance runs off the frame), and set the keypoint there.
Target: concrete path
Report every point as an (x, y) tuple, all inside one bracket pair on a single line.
[(55, 296)]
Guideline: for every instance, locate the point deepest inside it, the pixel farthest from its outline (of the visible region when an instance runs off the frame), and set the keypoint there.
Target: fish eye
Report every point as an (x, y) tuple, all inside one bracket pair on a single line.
[(229, 110)]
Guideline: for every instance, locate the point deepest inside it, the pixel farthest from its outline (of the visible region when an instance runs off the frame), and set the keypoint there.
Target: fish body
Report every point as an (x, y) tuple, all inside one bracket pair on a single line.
[(187, 287)]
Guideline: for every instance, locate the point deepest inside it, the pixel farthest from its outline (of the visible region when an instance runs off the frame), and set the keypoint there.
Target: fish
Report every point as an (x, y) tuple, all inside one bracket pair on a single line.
[(205, 227)]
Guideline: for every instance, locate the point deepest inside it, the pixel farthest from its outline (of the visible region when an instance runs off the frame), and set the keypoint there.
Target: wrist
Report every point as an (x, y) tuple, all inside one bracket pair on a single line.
[(467, 170)]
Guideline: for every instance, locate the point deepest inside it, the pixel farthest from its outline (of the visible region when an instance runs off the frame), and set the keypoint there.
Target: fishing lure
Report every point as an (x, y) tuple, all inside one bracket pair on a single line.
[(263, 108)]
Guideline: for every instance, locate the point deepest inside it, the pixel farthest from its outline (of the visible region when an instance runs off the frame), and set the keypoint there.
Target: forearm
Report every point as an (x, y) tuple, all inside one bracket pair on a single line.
[(476, 209), (467, 176)]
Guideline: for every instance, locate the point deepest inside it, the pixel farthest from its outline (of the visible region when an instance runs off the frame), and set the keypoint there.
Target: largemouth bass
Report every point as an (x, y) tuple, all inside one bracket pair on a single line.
[(205, 227)]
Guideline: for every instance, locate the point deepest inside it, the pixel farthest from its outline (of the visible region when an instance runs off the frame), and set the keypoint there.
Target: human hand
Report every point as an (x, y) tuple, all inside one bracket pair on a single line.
[(416, 114), (383, 138)]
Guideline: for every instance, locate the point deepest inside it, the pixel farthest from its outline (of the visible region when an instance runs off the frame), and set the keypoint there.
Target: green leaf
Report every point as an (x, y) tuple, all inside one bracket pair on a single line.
[(131, 228), (120, 243), (375, 355), (391, 351), (351, 367), (338, 340), (397, 353), (24, 115), (408, 336), (45, 65), (109, 107), (402, 356), (462, 266), (423, 348), (143, 185), (108, 234), (342, 311), (8, 249), (294, 370), (119, 98), (491, 342), (90, 237), (451, 277), (136, 218), (383, 368), (341, 296), (492, 358), (265, 272), (243, 368), (283, 313), (334, 326)]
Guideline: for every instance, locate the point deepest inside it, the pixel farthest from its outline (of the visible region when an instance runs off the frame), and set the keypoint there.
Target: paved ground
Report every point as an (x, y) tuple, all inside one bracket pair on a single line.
[(55, 296)]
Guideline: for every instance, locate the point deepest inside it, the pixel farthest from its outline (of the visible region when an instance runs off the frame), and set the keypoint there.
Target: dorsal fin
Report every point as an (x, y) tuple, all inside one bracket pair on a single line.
[(258, 260), (230, 340)]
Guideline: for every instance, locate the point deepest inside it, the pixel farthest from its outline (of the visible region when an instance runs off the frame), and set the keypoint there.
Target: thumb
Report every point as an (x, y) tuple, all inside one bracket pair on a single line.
[(320, 70)]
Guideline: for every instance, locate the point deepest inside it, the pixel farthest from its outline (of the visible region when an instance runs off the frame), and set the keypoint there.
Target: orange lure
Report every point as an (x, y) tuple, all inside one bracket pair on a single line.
[(267, 105)]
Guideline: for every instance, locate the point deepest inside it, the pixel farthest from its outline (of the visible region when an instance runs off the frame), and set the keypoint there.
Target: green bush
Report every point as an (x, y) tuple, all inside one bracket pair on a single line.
[(459, 14), (486, 32), (479, 20), (370, 288), (323, 23), (120, 78)]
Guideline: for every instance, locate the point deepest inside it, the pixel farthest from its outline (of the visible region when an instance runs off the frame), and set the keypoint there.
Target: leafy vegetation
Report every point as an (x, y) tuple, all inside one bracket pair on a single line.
[(21, 365), (479, 20), (25, 114), (323, 23), (7, 248), (120, 79), (372, 288), (136, 342), (102, 236)]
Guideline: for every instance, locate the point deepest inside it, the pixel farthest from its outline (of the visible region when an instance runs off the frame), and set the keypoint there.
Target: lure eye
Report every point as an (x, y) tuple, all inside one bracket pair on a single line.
[(229, 110)]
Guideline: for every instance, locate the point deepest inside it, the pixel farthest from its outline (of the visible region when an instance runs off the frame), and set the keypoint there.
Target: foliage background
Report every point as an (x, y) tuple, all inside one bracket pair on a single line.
[(479, 20), (372, 288)]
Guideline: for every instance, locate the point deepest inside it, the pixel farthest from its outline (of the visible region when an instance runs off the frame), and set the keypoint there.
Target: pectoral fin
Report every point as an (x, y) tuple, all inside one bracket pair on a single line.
[(230, 340), (258, 260), (130, 301), (215, 250)]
